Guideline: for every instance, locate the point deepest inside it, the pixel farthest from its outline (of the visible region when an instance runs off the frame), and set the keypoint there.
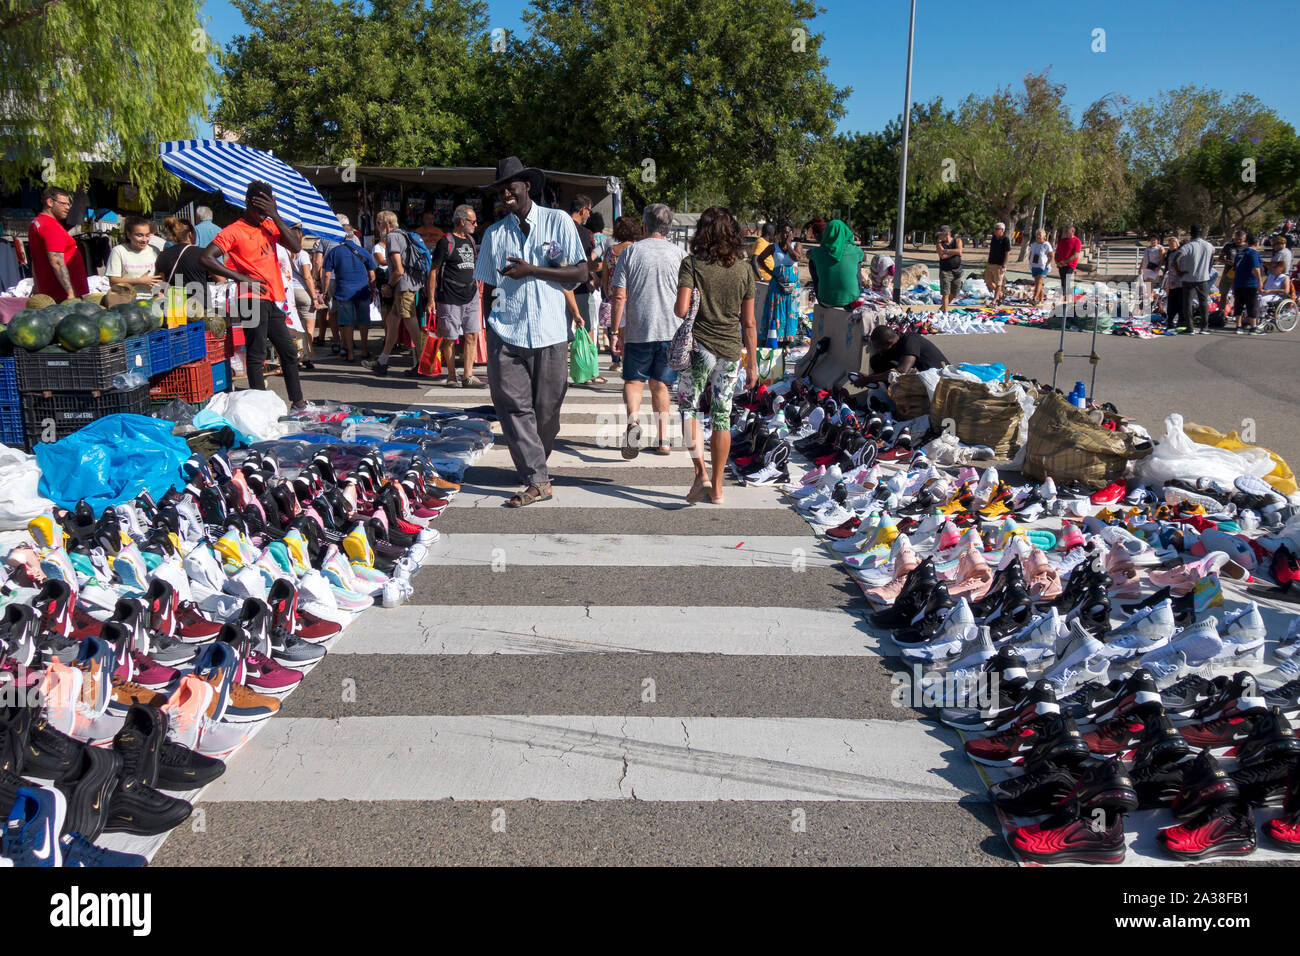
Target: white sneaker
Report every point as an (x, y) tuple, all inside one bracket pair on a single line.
[(1199, 644), (1075, 651), (1290, 643), (1147, 630), (1037, 641), (1243, 634), (964, 671), (948, 641)]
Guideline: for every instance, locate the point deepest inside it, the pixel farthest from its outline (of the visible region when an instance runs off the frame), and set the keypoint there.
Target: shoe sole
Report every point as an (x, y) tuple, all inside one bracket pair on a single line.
[(1232, 848), (1074, 856)]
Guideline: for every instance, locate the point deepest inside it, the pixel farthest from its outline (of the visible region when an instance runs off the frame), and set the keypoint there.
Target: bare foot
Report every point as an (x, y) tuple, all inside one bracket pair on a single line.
[(697, 492), (715, 496)]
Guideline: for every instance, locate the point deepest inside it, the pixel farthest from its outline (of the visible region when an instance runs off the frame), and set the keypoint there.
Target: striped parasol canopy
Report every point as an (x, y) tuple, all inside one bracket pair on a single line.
[(228, 168)]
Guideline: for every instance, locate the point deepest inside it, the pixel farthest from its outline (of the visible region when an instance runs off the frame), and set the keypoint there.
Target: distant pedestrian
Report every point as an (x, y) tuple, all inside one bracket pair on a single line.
[(1248, 276), (1229, 260), (627, 230), (1195, 263), (781, 307), (179, 264), (455, 296), (644, 293), (1173, 286), (306, 300), (949, 249), (205, 230), (1068, 250), (1153, 257), (757, 258), (349, 273), (1281, 253), (401, 314), (834, 266), (995, 273), (1040, 261)]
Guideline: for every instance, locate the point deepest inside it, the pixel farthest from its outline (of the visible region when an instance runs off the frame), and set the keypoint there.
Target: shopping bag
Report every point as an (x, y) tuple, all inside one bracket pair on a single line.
[(583, 362), (430, 356), (771, 366)]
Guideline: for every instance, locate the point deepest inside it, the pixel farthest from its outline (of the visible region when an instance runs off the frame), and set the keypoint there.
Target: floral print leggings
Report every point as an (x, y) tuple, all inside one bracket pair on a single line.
[(708, 371)]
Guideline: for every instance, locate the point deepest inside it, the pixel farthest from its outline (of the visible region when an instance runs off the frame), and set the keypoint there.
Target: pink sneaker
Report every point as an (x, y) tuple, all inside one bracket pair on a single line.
[(267, 677), (1044, 580), (1071, 537), (974, 576), (1118, 563)]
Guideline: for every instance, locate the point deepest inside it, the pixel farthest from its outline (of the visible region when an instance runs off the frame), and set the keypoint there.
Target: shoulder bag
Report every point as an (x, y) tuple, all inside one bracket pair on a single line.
[(683, 343)]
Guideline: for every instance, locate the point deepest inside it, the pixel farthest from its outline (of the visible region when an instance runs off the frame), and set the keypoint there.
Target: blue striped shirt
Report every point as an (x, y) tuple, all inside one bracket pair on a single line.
[(529, 313)]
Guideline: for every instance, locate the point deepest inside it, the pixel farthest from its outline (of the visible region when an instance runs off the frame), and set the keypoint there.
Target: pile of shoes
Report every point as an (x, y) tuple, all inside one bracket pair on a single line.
[(1082, 639), (147, 643)]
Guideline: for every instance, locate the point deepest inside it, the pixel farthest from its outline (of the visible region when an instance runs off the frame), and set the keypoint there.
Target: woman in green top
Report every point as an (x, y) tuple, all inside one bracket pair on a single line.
[(834, 266), (717, 267)]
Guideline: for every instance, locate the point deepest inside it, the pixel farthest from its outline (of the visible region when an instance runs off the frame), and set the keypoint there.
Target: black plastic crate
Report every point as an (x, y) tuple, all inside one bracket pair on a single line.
[(69, 411), (58, 371)]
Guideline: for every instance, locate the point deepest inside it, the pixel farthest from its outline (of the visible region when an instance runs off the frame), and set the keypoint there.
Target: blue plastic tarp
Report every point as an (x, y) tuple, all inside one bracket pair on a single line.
[(112, 460), (206, 419)]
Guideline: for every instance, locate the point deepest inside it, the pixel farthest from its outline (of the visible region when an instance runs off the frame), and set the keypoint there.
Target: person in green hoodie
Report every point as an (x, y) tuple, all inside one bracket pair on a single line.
[(834, 266)]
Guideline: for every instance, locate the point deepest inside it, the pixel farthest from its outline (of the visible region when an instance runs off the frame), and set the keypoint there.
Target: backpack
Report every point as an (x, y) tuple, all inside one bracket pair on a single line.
[(421, 260)]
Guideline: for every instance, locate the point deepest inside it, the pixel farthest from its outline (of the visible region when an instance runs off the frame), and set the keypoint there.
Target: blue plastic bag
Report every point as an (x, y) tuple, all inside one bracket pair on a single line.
[(112, 460), (985, 373)]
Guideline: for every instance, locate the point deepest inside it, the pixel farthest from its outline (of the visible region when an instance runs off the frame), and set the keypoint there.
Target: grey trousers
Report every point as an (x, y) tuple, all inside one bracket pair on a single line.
[(528, 388)]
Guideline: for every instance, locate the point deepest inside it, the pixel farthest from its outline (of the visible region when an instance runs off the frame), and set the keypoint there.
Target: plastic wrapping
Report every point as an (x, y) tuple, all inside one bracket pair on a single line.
[(1177, 456), (20, 500), (254, 413)]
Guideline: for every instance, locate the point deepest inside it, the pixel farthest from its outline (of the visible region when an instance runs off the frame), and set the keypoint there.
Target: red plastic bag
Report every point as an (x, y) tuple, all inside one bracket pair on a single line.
[(431, 357)]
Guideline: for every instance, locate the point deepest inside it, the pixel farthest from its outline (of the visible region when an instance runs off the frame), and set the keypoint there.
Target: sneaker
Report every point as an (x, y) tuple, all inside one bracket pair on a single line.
[(1226, 830), (1159, 762), (293, 652), (31, 835), (1205, 785), (88, 788), (1243, 634), (80, 852), (1147, 630), (187, 709), (1011, 746), (1069, 836), (376, 366), (1193, 648), (1005, 671), (1227, 725), (1075, 651), (1037, 641)]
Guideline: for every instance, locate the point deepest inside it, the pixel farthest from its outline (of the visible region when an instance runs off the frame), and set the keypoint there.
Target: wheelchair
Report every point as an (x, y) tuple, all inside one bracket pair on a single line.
[(1278, 314)]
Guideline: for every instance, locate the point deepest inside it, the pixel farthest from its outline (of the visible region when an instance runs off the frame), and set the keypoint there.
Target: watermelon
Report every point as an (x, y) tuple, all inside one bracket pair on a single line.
[(112, 326), (157, 314), (136, 322), (77, 332), (86, 308), (31, 329), (215, 324)]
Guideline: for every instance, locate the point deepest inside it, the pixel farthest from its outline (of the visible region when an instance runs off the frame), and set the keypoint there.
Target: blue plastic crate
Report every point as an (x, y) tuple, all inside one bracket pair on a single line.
[(160, 352), (11, 425), (137, 355), (8, 382), (196, 341), (220, 376), (178, 346)]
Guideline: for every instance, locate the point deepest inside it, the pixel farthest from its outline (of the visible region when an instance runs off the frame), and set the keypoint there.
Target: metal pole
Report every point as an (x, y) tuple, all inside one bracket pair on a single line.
[(1041, 203), (902, 171)]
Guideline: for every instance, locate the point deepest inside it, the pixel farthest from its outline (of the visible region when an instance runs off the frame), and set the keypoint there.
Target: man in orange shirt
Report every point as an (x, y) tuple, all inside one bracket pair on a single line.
[(57, 269), (248, 245)]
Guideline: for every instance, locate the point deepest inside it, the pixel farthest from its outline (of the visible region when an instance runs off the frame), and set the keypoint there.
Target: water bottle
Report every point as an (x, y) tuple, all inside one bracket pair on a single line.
[(1080, 395), (125, 381)]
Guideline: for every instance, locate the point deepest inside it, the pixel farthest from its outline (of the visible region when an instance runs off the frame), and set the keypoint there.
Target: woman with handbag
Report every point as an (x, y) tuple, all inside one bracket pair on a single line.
[(780, 308), (715, 300)]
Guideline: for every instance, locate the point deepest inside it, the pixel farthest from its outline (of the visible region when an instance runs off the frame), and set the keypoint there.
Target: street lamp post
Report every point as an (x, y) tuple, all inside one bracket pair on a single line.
[(902, 172)]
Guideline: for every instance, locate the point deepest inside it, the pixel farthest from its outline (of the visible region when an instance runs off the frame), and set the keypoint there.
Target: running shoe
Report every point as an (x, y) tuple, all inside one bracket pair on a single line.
[(1070, 836), (31, 835), (1226, 830), (1205, 785), (1159, 763)]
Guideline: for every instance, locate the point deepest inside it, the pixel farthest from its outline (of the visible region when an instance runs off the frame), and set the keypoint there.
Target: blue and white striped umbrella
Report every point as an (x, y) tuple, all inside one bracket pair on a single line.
[(228, 168)]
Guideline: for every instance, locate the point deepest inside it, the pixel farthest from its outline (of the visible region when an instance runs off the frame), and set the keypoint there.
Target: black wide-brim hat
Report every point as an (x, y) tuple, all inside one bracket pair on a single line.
[(512, 168)]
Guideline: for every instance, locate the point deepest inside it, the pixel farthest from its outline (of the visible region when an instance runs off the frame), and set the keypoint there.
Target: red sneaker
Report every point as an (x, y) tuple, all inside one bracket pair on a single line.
[(1108, 495)]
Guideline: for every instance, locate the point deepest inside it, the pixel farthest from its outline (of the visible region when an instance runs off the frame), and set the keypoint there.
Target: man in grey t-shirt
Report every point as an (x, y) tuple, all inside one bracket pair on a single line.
[(644, 292), (405, 294)]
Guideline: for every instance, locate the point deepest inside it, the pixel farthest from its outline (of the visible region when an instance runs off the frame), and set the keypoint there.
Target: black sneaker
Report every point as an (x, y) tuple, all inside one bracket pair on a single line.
[(143, 810), (89, 788), (1035, 791), (1271, 739), (1105, 784), (1225, 830), (1088, 698), (49, 753), (1159, 763), (1182, 698), (1205, 785), (1286, 698), (180, 768), (1012, 684), (139, 743), (376, 366)]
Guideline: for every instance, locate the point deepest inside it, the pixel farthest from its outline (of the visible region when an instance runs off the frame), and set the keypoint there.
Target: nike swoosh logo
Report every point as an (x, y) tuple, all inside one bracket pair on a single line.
[(47, 848)]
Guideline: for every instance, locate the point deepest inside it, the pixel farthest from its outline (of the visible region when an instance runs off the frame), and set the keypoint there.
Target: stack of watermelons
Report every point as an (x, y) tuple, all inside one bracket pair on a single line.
[(80, 324)]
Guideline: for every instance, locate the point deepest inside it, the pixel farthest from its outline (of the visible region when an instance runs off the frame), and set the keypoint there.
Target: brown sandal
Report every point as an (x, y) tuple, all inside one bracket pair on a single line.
[(530, 495)]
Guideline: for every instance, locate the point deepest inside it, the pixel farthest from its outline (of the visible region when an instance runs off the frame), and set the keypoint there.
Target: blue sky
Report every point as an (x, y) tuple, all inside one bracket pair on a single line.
[(964, 48)]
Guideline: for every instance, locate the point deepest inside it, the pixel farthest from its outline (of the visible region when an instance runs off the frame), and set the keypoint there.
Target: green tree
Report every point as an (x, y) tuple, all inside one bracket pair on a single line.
[(388, 82), (96, 81), (675, 94), (1170, 126), (1251, 175)]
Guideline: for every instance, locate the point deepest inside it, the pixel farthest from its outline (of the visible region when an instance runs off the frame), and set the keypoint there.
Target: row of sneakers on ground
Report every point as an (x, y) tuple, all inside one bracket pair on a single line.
[(208, 637), (1210, 751)]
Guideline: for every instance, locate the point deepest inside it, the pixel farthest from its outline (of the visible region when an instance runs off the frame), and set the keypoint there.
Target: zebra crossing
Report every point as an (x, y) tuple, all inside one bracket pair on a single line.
[(611, 676)]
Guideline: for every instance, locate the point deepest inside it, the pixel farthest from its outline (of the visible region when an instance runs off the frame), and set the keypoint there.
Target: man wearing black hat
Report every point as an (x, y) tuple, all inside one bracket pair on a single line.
[(525, 262)]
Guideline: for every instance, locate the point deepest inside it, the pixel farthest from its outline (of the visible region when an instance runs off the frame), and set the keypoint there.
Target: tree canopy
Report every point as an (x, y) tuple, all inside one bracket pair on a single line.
[(98, 81)]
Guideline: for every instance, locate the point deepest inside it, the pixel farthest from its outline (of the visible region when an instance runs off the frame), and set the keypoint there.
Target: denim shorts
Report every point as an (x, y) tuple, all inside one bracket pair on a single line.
[(352, 313), (1037, 272), (647, 360)]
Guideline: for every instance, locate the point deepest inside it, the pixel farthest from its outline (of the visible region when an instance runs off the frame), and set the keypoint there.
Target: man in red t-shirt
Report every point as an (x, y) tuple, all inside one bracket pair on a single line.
[(248, 245), (1068, 249), (57, 269)]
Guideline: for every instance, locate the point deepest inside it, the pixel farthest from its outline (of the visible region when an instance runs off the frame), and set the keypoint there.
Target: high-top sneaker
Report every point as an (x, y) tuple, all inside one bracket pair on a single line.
[(1205, 785), (1105, 784), (1135, 691), (1264, 760), (136, 807), (89, 786), (1159, 763), (1225, 830)]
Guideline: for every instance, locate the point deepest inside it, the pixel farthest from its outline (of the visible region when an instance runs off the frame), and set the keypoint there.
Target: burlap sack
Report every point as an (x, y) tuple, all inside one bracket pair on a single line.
[(909, 393), (977, 417), (1066, 445)]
